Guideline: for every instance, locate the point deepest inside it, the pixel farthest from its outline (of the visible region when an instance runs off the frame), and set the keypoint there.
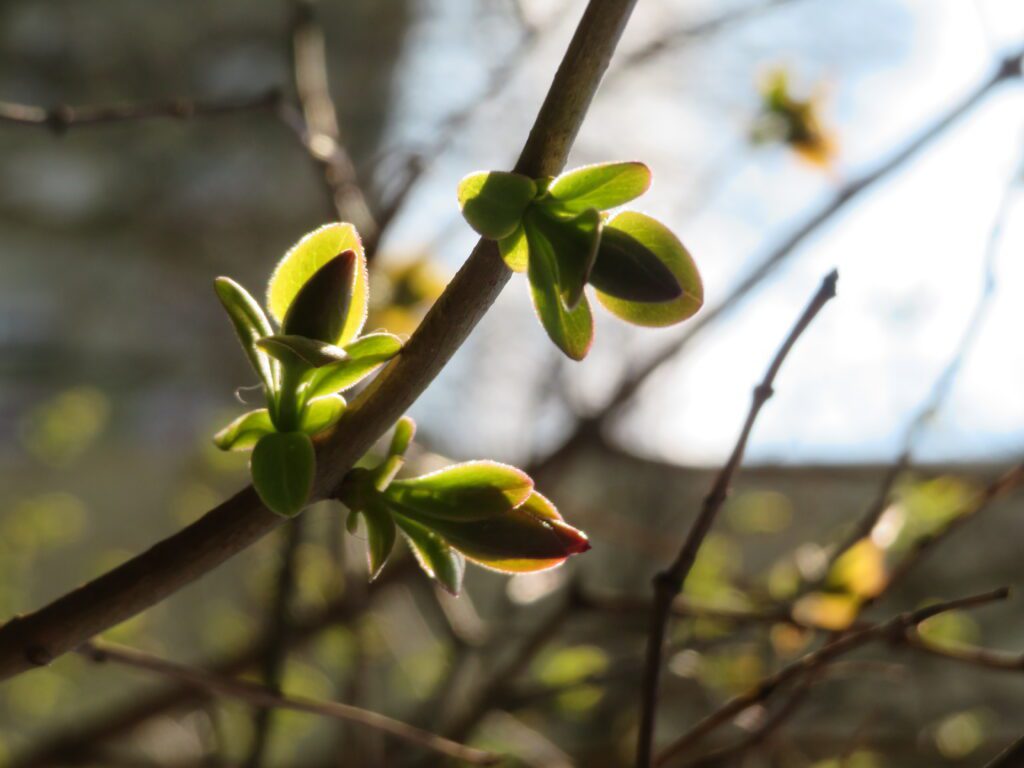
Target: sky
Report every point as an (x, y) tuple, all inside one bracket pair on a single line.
[(911, 253)]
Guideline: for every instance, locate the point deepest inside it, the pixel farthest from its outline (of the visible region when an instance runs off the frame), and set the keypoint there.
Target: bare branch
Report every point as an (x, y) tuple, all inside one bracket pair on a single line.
[(318, 127), (893, 629), (669, 582), (278, 629), (999, 661), (264, 697), (690, 31), (1010, 757), (1002, 486), (61, 118), (87, 733), (501, 676), (726, 755), (940, 390)]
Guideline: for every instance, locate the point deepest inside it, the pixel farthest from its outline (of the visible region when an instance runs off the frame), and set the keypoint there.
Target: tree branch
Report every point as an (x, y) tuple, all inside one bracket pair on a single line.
[(669, 582), (995, 490), (61, 118), (1010, 757), (689, 31), (81, 740), (39, 637), (894, 628), (278, 629), (317, 123), (264, 697), (938, 395)]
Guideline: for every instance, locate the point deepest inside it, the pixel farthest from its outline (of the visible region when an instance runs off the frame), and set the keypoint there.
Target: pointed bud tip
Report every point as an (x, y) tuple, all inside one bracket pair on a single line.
[(575, 541)]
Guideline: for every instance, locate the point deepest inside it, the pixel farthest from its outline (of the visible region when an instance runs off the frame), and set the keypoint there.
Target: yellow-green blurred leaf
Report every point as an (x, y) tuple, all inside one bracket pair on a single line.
[(860, 570), (61, 429), (826, 610)]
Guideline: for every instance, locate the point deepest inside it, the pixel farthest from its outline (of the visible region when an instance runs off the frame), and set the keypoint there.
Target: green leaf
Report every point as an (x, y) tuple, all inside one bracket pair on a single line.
[(574, 242), (300, 352), (601, 186), (531, 537), (250, 324), (364, 357), (627, 269), (321, 413), (405, 431), (659, 240), (283, 465), (305, 258), (515, 250), (493, 202), (320, 308), (438, 560), (385, 474), (571, 330), (380, 537), (471, 491), (243, 433)]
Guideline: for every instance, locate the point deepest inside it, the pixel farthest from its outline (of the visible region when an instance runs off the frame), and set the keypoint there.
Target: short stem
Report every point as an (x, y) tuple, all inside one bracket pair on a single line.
[(288, 412)]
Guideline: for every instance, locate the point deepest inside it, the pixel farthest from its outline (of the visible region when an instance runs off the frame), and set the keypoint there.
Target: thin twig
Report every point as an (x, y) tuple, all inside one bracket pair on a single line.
[(669, 582), (1005, 484), (1011, 757), (490, 689), (39, 637), (999, 661), (727, 755), (119, 720), (319, 129), (939, 393), (995, 490), (667, 39), (893, 629), (61, 118), (264, 697), (680, 608), (420, 162), (279, 627)]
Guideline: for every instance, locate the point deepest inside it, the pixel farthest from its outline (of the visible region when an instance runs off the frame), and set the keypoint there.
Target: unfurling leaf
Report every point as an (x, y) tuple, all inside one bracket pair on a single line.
[(480, 510), (571, 330), (405, 431), (601, 186), (380, 537), (283, 465), (475, 490), (628, 270), (435, 557), (531, 537), (243, 433), (363, 357), (574, 243), (304, 259), (250, 324), (659, 240), (320, 308), (515, 250), (321, 413), (493, 203), (385, 474), (300, 352)]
